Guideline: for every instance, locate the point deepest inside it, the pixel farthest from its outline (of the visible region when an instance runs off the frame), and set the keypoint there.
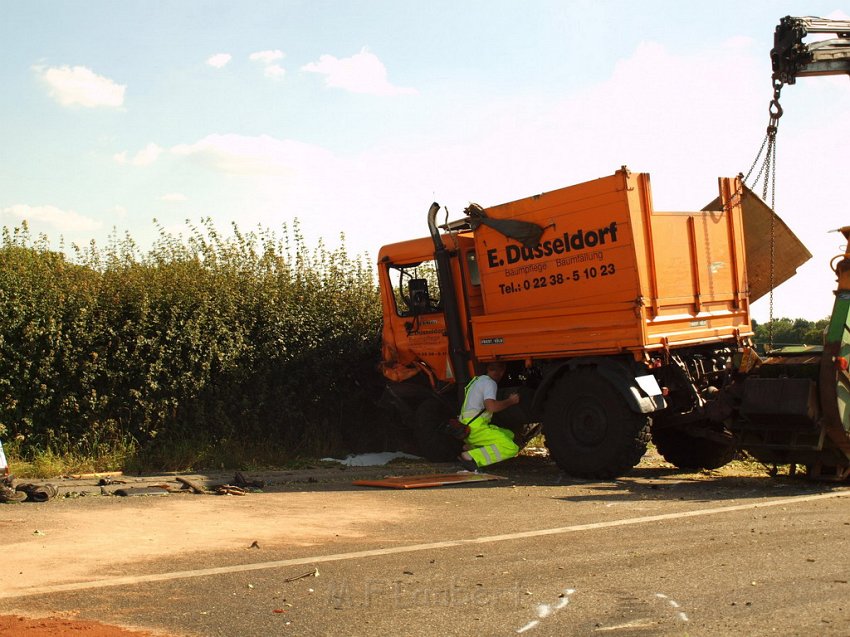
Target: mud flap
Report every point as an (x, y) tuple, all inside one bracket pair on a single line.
[(642, 393)]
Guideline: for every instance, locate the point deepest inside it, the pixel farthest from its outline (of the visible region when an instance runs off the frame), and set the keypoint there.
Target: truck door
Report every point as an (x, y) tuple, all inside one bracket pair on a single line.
[(413, 318)]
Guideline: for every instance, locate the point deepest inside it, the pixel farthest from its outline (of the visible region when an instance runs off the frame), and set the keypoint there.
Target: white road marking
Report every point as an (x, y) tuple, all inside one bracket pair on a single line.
[(638, 623), (681, 616), (545, 610), (412, 548), (528, 626), (562, 603)]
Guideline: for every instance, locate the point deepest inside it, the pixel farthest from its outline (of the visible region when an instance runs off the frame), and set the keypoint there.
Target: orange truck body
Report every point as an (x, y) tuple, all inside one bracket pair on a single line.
[(610, 275), (616, 322)]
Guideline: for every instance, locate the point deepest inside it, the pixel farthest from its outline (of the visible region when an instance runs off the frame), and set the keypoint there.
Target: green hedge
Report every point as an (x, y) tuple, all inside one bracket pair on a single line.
[(249, 338)]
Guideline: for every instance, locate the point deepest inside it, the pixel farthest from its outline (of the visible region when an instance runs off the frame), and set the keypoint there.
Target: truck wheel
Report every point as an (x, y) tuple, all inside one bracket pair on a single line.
[(590, 430), (432, 441), (688, 452)]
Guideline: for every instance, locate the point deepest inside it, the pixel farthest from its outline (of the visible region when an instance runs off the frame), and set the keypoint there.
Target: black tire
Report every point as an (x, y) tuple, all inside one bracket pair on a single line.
[(688, 452), (432, 440), (590, 430)]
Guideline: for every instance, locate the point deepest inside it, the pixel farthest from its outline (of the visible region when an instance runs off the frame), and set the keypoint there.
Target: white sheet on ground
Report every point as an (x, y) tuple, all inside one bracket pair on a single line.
[(371, 459)]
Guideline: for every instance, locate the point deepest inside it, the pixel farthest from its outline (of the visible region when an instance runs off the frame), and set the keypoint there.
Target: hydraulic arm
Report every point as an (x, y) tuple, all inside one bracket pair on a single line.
[(792, 58)]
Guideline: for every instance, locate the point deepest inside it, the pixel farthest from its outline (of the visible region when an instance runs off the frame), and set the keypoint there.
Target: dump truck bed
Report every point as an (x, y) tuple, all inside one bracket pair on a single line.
[(610, 274)]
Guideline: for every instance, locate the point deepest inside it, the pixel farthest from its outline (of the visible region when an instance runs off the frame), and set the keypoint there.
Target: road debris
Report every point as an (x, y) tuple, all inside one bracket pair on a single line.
[(313, 573), (8, 495), (229, 489), (429, 480), (89, 476), (371, 459), (106, 481), (139, 491), (38, 493), (191, 485), (241, 481)]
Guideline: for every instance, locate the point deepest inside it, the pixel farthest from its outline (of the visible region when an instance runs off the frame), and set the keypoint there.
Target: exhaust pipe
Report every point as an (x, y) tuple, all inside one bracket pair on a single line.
[(458, 353)]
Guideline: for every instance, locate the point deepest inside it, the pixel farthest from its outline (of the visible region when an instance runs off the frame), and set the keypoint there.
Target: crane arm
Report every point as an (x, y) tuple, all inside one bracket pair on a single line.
[(792, 58)]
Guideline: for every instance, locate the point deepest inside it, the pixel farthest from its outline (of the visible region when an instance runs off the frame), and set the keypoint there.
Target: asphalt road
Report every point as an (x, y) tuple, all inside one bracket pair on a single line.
[(655, 553)]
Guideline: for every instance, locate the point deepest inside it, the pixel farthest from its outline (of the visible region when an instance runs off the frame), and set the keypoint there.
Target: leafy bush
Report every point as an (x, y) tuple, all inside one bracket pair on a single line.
[(247, 339)]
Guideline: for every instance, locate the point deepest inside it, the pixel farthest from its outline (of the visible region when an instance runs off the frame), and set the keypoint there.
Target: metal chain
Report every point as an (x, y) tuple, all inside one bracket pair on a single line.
[(767, 170), (772, 235), (755, 161)]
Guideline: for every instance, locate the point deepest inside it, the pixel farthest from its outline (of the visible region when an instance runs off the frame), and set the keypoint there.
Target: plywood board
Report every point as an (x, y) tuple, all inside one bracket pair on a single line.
[(432, 480)]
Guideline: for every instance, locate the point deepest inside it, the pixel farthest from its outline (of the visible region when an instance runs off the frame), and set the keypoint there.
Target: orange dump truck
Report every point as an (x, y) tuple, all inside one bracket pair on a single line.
[(616, 322)]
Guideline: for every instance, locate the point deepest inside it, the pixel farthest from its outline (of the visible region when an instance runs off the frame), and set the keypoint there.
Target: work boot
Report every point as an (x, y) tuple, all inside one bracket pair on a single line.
[(9, 495), (38, 493), (468, 465)]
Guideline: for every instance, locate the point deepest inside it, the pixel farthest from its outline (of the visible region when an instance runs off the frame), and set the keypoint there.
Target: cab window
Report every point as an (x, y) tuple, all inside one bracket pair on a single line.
[(415, 288)]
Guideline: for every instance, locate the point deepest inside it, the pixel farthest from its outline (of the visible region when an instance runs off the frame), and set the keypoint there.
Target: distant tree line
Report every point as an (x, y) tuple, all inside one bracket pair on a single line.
[(788, 331)]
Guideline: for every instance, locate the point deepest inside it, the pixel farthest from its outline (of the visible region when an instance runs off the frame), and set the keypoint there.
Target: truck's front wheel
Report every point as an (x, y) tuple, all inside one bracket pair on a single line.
[(590, 430)]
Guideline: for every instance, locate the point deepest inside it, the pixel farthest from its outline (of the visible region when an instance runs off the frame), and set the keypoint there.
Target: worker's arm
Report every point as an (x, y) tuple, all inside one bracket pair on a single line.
[(495, 406)]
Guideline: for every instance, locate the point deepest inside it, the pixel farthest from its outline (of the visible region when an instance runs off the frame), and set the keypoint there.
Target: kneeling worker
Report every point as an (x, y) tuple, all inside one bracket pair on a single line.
[(486, 443)]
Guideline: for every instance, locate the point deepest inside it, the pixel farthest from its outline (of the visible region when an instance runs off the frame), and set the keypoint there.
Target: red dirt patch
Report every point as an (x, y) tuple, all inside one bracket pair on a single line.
[(15, 626)]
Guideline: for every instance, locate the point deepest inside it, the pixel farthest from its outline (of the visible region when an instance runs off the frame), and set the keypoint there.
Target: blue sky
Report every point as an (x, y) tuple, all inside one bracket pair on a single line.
[(354, 116)]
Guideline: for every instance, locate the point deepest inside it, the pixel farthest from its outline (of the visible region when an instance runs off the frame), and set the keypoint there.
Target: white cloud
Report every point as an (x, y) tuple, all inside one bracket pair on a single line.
[(219, 60), (174, 196), (62, 220), (261, 155), (267, 59), (145, 157), (80, 86), (361, 73), (274, 72)]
